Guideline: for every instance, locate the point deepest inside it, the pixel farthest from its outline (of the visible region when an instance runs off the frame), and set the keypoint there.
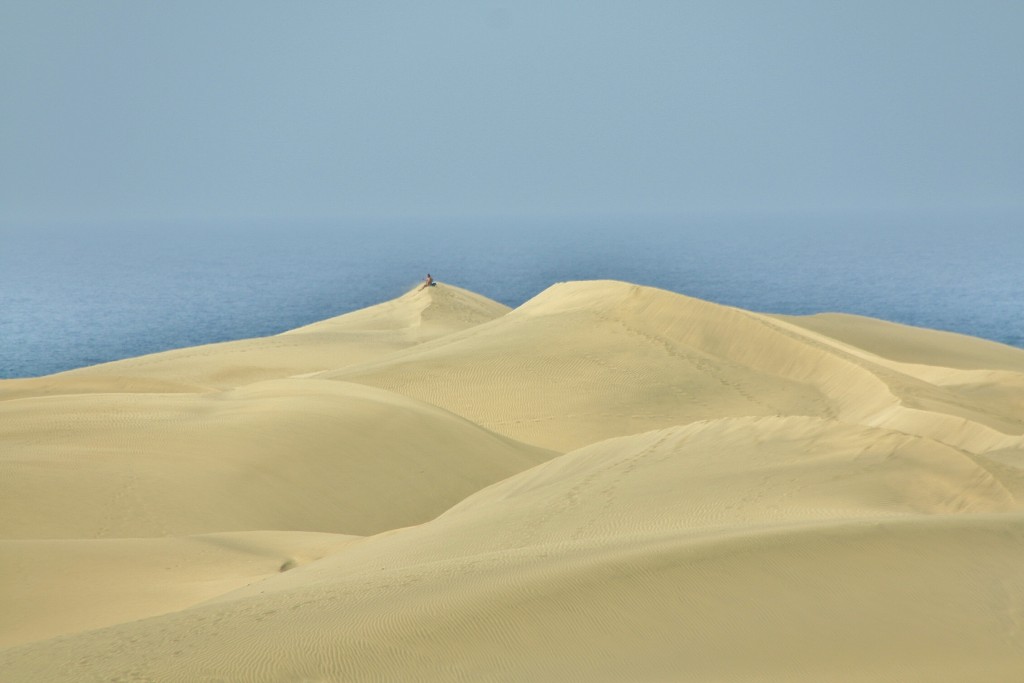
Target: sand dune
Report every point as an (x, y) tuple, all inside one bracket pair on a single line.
[(297, 454), (913, 344), (357, 337), (739, 497), (585, 361)]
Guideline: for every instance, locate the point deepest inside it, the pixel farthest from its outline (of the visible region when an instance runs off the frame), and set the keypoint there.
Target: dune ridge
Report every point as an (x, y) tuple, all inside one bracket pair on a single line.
[(609, 482)]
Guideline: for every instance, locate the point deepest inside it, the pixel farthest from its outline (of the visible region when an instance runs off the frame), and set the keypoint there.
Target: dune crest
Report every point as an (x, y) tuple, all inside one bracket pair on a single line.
[(610, 482)]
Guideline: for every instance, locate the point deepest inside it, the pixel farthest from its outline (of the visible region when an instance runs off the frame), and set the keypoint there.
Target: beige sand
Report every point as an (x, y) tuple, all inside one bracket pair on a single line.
[(610, 482)]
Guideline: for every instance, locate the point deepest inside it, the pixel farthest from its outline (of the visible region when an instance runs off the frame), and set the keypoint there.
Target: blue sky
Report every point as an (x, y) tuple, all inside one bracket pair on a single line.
[(123, 111)]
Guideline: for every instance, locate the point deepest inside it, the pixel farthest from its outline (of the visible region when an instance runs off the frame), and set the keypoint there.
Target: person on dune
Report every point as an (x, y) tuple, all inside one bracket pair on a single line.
[(427, 282)]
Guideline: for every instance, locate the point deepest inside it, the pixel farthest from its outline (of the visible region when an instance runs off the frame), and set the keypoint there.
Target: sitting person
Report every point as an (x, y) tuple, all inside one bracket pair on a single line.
[(428, 282)]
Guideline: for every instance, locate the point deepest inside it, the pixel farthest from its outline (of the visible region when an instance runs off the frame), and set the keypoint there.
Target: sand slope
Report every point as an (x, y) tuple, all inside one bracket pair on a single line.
[(683, 553), (741, 497), (53, 587)]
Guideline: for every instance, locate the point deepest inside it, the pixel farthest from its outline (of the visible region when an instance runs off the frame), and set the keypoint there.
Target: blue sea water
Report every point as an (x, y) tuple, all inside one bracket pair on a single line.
[(70, 298)]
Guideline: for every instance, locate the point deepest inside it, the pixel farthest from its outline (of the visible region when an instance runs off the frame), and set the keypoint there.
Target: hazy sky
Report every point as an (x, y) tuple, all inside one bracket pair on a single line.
[(118, 111)]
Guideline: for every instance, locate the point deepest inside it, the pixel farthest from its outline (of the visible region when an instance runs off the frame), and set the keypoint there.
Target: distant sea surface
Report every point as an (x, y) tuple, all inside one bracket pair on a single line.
[(77, 297)]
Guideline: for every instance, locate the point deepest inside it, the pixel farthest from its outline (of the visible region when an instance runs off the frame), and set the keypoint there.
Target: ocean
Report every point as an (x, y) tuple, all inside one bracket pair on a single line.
[(71, 298)]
